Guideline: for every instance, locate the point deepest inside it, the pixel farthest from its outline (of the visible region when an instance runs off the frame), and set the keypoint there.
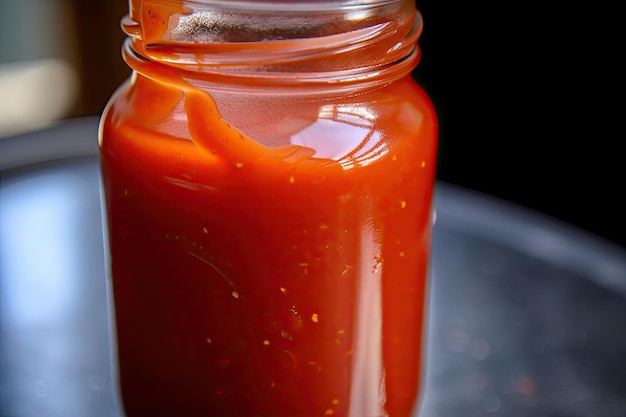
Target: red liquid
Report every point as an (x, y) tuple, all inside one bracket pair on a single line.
[(278, 282)]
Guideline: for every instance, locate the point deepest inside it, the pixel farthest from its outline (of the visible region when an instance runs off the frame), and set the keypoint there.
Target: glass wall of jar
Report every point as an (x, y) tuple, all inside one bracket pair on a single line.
[(268, 172)]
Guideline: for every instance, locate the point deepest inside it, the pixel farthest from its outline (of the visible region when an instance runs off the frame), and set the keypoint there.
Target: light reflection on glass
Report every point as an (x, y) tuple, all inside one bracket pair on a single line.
[(345, 133)]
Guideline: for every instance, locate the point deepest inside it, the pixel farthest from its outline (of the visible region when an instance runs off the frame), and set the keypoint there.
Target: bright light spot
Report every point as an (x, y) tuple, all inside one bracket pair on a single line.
[(344, 133), (35, 93), (38, 248)]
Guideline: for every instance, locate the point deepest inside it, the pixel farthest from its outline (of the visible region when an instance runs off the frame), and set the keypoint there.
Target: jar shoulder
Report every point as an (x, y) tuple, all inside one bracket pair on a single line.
[(330, 124)]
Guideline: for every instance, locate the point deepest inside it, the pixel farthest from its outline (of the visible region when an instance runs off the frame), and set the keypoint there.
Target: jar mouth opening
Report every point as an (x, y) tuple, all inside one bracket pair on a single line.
[(219, 38), (220, 21), (205, 39)]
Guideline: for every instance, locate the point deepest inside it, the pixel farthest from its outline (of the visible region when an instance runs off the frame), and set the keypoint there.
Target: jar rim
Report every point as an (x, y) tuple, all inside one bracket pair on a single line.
[(293, 5)]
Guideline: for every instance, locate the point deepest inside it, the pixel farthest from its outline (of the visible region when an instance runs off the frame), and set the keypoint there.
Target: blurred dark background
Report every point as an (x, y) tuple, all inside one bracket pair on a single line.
[(527, 105), (524, 95)]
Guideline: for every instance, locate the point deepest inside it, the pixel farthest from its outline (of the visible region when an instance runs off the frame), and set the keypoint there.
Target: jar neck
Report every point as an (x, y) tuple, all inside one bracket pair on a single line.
[(283, 43)]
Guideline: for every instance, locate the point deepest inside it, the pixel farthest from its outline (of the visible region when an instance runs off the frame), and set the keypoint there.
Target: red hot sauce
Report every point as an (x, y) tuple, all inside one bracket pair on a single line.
[(269, 225)]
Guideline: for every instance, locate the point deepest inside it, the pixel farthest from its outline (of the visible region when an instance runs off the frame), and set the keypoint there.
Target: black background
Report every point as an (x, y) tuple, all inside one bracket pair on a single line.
[(528, 106)]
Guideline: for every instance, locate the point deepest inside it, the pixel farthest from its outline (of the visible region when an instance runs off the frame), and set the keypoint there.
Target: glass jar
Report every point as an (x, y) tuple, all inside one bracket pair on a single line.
[(268, 172)]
